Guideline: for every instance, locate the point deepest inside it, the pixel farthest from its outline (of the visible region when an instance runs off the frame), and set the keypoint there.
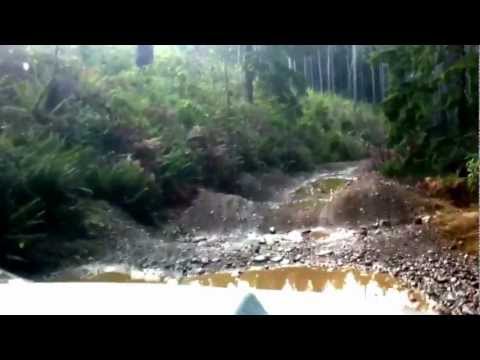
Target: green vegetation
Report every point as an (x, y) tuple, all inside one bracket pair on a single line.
[(85, 122), (39, 187), (432, 107)]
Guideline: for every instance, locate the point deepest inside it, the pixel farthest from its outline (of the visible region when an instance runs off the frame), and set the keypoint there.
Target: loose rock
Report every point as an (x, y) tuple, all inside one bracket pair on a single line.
[(260, 258), (198, 239), (324, 253), (200, 271)]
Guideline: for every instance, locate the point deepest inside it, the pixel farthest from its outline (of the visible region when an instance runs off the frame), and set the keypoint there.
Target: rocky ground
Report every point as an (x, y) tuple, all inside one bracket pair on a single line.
[(448, 277), (357, 220)]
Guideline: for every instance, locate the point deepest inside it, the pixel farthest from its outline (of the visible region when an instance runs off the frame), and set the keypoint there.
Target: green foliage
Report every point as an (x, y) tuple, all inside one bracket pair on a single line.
[(432, 105), (126, 184), (39, 186), (276, 80), (336, 129), (392, 168)]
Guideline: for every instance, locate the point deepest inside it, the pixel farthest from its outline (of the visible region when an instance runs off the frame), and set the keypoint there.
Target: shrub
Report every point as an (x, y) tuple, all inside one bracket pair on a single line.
[(126, 184), (337, 129), (39, 188), (392, 168), (296, 157)]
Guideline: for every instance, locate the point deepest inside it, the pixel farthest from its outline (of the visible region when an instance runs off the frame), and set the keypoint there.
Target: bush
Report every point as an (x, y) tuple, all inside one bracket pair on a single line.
[(392, 168), (39, 188), (336, 129), (126, 184), (296, 158)]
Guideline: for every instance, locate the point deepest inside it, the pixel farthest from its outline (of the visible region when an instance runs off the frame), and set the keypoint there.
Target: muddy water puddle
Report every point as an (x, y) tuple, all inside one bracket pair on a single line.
[(339, 291), (346, 288)]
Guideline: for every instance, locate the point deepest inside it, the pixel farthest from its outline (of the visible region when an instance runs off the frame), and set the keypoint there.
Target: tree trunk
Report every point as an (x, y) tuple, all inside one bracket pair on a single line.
[(227, 85), (354, 68), (144, 55), (311, 72), (239, 54), (249, 74), (361, 83), (374, 95), (305, 68), (320, 72), (349, 73), (333, 72), (382, 82), (329, 68)]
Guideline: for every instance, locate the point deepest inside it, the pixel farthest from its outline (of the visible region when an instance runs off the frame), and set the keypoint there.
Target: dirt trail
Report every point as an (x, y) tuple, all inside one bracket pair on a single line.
[(339, 216)]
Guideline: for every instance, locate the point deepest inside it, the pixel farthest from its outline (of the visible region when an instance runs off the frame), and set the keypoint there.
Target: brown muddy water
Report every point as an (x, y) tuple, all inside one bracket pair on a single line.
[(339, 291)]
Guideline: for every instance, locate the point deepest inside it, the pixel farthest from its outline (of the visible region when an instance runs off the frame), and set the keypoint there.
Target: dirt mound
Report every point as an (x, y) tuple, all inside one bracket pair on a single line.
[(460, 227), (213, 211), (370, 199)]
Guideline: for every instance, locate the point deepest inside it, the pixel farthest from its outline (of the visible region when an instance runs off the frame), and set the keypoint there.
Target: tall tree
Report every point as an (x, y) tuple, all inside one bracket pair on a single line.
[(239, 54), (305, 67), (249, 73), (320, 72), (374, 95), (348, 61), (311, 72), (355, 72), (333, 70), (329, 68)]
